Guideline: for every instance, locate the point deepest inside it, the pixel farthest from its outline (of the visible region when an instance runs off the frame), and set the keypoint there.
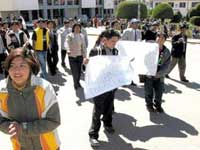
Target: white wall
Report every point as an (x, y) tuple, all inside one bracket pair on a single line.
[(12, 5), (88, 4)]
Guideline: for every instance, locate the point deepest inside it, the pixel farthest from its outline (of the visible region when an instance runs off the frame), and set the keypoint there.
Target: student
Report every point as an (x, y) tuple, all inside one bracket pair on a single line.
[(154, 85), (29, 110), (103, 104)]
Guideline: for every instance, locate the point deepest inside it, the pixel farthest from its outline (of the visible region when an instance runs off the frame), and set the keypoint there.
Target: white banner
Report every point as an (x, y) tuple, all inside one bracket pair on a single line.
[(105, 73), (88, 4), (145, 55), (108, 4)]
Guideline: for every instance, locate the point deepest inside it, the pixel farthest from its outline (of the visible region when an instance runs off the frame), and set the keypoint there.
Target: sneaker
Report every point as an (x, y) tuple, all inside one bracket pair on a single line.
[(150, 108), (110, 129), (94, 142)]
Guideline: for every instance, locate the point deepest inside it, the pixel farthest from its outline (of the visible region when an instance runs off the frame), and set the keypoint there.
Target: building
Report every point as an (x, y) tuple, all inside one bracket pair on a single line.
[(33, 9), (178, 5)]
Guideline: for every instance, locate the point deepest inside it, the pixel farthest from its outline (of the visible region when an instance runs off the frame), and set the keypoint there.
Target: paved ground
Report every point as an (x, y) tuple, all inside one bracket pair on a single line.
[(136, 129)]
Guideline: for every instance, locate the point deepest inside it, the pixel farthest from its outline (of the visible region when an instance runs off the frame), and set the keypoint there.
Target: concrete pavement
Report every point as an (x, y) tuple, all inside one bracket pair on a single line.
[(136, 129)]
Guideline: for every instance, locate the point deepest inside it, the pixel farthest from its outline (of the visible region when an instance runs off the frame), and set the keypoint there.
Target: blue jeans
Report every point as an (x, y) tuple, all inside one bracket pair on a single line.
[(42, 57)]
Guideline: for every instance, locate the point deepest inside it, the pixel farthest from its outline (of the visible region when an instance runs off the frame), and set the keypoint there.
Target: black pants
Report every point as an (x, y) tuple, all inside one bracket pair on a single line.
[(153, 91), (52, 60), (63, 56), (75, 65), (103, 105)]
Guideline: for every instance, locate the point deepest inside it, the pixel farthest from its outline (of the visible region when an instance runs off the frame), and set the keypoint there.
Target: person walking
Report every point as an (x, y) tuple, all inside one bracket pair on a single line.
[(41, 43), (64, 31), (76, 49), (32, 118), (52, 52), (179, 46)]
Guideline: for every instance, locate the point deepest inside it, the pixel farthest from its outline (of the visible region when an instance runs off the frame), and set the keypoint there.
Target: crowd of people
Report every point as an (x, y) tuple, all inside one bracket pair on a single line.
[(21, 61)]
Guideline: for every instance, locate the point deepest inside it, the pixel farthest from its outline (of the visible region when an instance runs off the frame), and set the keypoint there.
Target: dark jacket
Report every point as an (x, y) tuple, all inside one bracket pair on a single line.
[(163, 62), (15, 43), (179, 48), (101, 50)]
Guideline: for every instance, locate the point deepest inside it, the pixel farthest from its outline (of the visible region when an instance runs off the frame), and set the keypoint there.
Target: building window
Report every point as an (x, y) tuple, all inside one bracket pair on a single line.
[(99, 2), (49, 13), (40, 2), (56, 2), (195, 3), (62, 2), (171, 4), (76, 2), (69, 2), (34, 14), (49, 2), (182, 5)]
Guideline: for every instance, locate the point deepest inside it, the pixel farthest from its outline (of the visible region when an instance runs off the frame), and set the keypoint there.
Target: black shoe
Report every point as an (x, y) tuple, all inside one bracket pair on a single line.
[(167, 76), (53, 73), (79, 85), (110, 129), (94, 142), (133, 84), (150, 108), (184, 80), (159, 109)]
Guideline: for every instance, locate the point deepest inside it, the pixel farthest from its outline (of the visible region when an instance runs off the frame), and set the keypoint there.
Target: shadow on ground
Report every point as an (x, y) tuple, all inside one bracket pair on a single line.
[(192, 85), (57, 81), (169, 88), (81, 97), (165, 126)]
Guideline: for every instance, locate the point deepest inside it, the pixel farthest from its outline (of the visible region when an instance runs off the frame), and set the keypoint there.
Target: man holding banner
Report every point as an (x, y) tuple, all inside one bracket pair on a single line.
[(154, 85), (103, 103)]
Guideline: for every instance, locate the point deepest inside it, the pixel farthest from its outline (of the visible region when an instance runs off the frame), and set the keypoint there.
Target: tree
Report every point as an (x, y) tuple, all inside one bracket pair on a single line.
[(177, 17), (163, 11), (129, 9), (194, 12), (195, 20)]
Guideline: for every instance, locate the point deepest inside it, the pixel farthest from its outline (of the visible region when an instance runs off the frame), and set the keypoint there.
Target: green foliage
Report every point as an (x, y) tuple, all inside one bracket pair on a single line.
[(177, 17), (163, 11), (194, 12), (150, 11), (129, 9), (195, 20), (198, 6)]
